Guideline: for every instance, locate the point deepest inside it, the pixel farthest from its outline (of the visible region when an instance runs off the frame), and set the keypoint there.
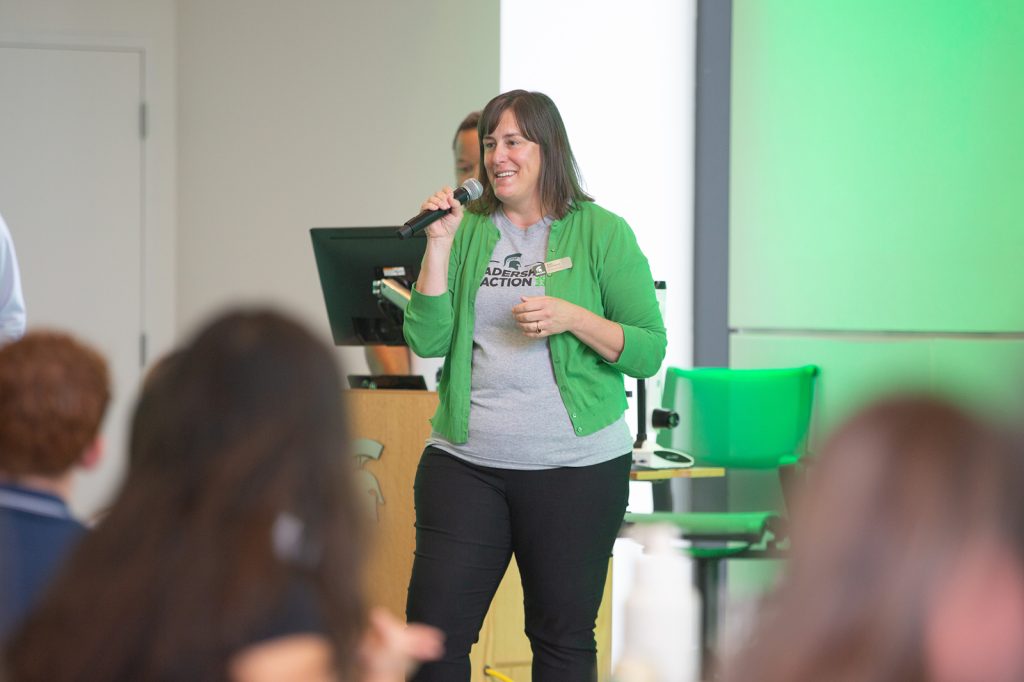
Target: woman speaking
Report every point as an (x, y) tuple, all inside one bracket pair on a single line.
[(539, 300)]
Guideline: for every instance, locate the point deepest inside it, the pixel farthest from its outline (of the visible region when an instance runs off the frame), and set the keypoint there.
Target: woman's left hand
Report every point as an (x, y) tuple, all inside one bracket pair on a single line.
[(542, 316)]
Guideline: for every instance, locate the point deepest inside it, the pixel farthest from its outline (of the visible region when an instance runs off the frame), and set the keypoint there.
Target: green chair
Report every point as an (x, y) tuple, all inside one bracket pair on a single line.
[(736, 419)]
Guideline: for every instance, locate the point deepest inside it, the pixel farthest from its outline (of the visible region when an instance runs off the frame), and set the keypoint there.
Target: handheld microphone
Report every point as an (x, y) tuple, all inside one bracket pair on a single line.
[(471, 190)]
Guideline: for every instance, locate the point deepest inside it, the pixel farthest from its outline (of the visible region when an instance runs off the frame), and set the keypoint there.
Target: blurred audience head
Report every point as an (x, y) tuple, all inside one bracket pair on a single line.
[(239, 496), (908, 556), (466, 147), (54, 391)]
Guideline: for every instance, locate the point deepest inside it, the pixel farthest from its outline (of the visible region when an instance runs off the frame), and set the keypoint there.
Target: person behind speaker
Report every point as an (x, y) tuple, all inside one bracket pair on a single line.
[(466, 151), (539, 300), (234, 547), (54, 391)]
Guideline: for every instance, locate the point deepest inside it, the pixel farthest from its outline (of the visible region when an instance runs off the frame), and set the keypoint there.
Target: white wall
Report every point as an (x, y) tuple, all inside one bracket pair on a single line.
[(292, 115), (623, 77), (318, 113), (148, 27)]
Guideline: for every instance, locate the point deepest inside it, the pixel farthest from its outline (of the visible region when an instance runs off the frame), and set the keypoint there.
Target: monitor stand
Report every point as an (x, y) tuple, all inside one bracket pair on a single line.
[(414, 382)]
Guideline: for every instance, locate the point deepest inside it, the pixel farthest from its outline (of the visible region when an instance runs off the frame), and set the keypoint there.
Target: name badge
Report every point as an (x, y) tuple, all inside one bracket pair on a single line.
[(551, 267)]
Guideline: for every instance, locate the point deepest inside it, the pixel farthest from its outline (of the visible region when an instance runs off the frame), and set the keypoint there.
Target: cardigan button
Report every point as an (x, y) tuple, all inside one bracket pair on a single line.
[(579, 429)]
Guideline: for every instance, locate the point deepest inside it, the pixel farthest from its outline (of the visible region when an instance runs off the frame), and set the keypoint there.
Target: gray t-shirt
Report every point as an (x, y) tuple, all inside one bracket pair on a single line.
[(517, 419)]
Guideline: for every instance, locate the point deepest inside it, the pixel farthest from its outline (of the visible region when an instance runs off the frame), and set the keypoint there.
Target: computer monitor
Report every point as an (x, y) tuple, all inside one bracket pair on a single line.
[(349, 260)]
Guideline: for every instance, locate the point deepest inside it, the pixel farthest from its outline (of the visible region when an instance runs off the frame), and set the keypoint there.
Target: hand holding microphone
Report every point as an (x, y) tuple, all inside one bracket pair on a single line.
[(444, 204)]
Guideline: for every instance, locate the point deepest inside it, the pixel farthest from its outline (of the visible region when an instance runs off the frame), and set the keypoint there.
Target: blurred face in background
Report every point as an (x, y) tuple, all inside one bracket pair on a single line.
[(467, 156)]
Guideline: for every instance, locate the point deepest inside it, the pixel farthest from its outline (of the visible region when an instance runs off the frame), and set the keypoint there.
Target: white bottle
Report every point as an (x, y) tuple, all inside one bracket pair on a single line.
[(662, 613)]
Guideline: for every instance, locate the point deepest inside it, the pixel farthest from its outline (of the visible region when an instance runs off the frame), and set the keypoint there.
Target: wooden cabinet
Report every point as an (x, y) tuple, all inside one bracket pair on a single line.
[(390, 428)]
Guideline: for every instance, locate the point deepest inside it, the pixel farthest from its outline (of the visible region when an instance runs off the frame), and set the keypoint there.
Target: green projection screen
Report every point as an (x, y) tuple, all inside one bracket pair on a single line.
[(877, 178)]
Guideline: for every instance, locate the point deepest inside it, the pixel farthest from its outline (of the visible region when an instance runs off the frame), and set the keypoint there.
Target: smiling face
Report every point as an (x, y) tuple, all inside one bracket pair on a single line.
[(513, 166)]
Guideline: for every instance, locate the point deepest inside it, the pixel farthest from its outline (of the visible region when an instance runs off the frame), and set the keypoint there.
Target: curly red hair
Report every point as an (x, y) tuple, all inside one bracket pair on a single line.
[(54, 391)]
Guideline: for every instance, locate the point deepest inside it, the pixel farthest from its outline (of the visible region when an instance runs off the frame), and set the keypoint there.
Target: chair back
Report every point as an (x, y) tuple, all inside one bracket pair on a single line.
[(740, 418)]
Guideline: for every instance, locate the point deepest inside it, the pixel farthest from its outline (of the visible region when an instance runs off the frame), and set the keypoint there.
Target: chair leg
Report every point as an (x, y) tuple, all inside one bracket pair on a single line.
[(707, 576), (661, 495), (791, 477)]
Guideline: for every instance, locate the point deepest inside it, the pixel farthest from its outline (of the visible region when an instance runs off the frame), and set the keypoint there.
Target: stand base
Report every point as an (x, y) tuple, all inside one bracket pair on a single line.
[(660, 458)]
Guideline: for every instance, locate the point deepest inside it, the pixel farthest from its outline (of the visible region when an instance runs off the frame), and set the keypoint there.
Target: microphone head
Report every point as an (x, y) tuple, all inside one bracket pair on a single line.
[(475, 189)]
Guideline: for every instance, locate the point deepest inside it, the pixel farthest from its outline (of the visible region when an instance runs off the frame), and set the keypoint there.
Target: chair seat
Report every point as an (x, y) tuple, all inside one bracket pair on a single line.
[(749, 528)]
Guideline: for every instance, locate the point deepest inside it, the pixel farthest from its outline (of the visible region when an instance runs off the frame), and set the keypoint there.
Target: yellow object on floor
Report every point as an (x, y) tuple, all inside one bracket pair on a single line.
[(491, 672)]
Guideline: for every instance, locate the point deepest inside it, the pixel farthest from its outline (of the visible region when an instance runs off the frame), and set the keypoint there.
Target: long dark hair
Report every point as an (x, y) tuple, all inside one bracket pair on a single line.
[(539, 121), (898, 493), (240, 431)]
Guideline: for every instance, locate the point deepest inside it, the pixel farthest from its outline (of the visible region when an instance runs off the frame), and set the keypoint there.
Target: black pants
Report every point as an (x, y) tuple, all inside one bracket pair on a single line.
[(559, 523)]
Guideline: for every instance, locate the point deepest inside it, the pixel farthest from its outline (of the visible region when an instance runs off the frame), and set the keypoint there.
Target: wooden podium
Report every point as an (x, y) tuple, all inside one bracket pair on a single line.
[(391, 428), (399, 422)]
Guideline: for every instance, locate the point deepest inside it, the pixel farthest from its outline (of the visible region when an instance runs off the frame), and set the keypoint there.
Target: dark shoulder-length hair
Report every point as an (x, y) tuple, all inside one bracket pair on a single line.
[(539, 121), (896, 497), (238, 507)]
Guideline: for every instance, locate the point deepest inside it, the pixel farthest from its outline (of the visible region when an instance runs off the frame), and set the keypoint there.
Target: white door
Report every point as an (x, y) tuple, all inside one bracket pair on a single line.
[(71, 192)]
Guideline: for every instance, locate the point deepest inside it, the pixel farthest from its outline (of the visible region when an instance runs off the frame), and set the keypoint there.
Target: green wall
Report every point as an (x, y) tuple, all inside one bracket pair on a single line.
[(983, 373), (877, 204), (877, 193)]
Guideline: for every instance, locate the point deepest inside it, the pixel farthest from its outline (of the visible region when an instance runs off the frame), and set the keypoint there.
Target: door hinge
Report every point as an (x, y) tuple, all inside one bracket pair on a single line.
[(143, 120)]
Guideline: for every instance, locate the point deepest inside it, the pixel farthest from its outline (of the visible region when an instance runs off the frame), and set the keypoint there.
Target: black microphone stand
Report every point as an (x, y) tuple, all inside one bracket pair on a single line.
[(655, 456)]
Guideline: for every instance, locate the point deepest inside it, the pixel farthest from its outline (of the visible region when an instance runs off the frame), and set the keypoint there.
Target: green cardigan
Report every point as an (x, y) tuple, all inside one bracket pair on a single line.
[(609, 276)]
